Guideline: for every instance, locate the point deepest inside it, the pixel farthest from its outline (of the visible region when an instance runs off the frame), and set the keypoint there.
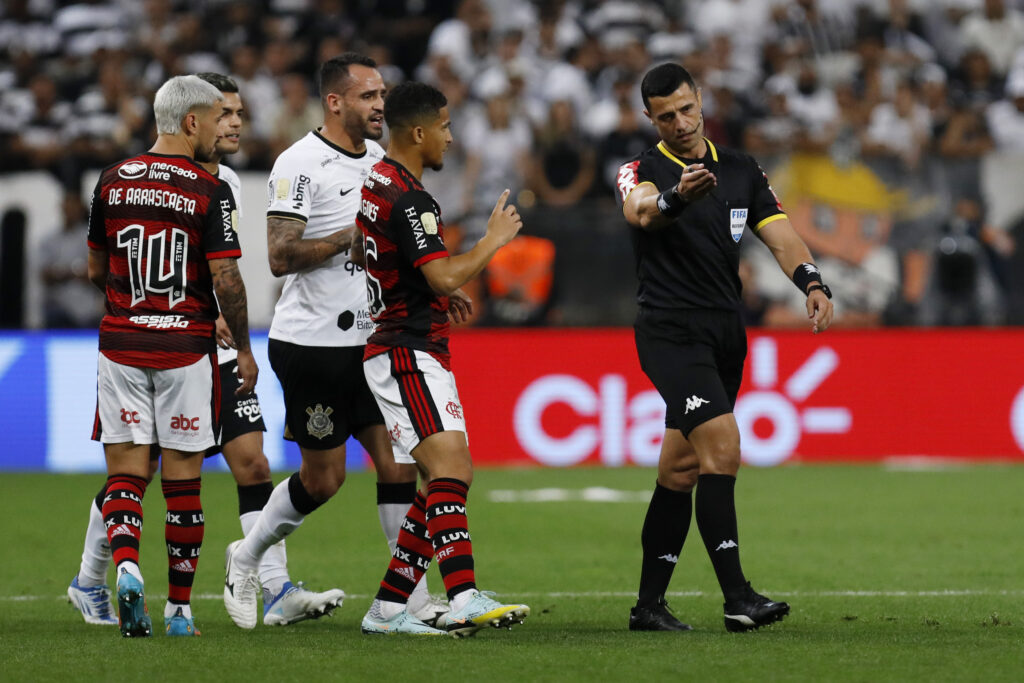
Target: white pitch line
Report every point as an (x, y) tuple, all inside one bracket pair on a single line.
[(945, 593)]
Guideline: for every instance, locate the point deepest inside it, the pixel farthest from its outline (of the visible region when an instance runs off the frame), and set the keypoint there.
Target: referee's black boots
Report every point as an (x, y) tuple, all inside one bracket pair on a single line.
[(750, 610), (656, 617)]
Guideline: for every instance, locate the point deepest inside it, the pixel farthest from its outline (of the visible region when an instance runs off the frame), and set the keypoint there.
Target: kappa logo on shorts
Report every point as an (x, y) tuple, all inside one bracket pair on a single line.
[(693, 403), (320, 423), (454, 409)]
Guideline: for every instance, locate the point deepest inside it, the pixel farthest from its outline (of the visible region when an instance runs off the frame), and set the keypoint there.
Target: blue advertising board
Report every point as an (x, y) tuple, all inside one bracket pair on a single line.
[(48, 403)]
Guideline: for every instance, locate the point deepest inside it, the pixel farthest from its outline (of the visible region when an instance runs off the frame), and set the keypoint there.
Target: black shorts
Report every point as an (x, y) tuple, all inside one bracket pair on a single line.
[(695, 360), (238, 414), (326, 398)]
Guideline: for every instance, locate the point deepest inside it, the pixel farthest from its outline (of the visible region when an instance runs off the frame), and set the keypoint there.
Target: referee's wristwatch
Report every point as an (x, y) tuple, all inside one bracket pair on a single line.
[(822, 286)]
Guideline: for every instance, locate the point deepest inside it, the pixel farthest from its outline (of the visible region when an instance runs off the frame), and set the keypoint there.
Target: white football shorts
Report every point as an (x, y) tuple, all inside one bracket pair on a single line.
[(416, 396), (172, 407)]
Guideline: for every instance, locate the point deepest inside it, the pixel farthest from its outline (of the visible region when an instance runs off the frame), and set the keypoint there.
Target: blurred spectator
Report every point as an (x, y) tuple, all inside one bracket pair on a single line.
[(962, 289), (1006, 117), (71, 300), (24, 29), (258, 88), (814, 31), (901, 31), (813, 105), (996, 30), (630, 132), (298, 113), (497, 154), (108, 121), (975, 84), (899, 130), (562, 164), (37, 133), (461, 42)]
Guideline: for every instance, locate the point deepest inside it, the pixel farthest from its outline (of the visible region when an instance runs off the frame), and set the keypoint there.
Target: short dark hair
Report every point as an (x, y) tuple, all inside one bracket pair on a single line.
[(335, 70), (409, 103), (219, 81), (663, 80)]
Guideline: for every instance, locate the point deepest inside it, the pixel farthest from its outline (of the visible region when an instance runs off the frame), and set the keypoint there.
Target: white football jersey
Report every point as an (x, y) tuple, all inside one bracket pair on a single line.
[(320, 184), (234, 182)]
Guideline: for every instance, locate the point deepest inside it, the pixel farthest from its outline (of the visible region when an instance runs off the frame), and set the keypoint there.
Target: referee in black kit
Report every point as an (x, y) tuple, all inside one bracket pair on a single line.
[(687, 202)]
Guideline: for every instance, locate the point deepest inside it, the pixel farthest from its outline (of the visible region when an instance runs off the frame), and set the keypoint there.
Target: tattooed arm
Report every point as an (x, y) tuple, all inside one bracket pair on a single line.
[(227, 282), (290, 253)]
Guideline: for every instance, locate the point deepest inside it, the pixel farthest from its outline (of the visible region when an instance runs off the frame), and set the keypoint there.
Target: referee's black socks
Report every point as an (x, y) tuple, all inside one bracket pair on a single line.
[(716, 519), (662, 538)]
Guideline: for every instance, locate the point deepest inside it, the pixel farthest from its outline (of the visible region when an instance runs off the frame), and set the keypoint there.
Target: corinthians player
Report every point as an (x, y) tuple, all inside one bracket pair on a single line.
[(321, 324)]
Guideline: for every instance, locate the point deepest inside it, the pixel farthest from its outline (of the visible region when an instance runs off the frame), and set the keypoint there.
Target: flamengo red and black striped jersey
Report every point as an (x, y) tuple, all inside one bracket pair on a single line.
[(160, 218), (402, 226)]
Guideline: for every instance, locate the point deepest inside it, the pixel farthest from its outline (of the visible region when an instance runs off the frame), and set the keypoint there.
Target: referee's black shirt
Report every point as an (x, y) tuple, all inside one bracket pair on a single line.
[(694, 263)]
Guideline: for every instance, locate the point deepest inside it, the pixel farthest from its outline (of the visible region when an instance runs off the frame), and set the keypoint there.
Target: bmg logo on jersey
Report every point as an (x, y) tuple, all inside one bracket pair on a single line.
[(185, 424), (301, 187)]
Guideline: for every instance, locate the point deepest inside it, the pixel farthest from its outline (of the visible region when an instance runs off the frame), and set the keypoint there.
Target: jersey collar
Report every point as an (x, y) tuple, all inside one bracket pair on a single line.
[(663, 148), (336, 148)]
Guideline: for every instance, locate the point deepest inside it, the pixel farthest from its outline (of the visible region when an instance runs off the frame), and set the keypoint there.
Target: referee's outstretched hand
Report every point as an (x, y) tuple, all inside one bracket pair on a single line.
[(695, 182), (505, 221), (819, 310)]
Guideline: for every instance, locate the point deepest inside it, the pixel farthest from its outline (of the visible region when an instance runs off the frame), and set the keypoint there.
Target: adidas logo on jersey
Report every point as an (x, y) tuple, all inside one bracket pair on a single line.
[(693, 403), (407, 572)]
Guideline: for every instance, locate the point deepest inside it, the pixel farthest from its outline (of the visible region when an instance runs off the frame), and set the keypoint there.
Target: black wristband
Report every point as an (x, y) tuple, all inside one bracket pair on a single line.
[(671, 203), (805, 274)]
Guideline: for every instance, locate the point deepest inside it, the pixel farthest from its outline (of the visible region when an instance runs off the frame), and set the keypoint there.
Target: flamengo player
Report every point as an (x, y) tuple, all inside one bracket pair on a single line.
[(413, 287), (242, 446), (320, 326), (161, 240)]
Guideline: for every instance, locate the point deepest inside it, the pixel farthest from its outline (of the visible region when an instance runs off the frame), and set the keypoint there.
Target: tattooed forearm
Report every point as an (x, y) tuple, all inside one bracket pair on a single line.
[(227, 282), (290, 253)]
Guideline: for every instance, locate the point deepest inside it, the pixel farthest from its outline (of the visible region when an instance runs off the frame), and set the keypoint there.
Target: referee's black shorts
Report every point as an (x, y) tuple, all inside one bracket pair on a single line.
[(695, 358), (238, 414), (326, 398)]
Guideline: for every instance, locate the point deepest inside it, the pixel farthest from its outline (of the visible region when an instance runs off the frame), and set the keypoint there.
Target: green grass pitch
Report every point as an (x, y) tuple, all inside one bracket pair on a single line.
[(892, 575)]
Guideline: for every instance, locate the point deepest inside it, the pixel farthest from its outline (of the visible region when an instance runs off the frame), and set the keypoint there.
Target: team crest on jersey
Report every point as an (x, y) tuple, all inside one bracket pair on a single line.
[(737, 221), (283, 185), (320, 423), (429, 223), (133, 170)]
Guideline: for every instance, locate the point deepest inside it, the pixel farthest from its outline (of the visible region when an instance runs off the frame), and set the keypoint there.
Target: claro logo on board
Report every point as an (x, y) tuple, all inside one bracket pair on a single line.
[(628, 429)]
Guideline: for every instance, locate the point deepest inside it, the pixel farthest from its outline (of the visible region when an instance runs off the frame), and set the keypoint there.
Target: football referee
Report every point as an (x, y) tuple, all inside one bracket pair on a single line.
[(688, 202)]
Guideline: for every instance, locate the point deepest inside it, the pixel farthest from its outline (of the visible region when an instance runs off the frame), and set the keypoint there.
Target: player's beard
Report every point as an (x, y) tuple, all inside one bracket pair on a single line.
[(437, 167)]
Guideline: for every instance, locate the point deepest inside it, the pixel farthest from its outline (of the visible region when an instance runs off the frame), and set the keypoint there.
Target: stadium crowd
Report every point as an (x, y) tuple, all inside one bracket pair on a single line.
[(872, 118)]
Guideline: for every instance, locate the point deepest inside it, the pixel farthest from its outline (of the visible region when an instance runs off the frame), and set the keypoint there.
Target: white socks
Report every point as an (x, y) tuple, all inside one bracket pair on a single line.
[(96, 552), (273, 570), (277, 520)]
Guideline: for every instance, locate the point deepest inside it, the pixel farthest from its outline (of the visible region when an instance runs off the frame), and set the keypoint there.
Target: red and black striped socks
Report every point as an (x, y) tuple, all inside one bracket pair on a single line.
[(183, 532), (122, 515), (411, 557), (449, 532)]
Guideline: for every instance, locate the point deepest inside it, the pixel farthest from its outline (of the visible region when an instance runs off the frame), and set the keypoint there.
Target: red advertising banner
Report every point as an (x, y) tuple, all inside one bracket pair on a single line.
[(565, 397)]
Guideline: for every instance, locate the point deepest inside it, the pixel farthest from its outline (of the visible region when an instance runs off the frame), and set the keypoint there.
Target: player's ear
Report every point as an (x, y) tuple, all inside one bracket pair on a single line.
[(332, 103), (190, 124), (417, 134), (648, 115)]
